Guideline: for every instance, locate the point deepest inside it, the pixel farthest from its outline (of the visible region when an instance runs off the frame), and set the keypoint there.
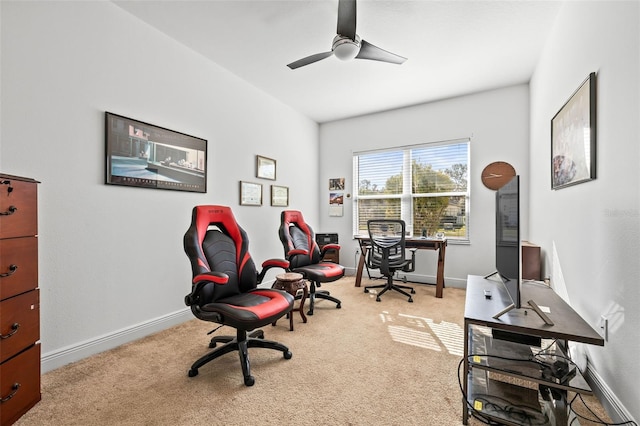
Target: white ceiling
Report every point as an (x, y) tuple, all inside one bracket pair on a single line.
[(453, 47)]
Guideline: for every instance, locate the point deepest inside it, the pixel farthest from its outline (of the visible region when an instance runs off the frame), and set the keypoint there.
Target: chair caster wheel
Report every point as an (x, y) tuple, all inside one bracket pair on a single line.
[(212, 345), (410, 300), (413, 291), (377, 299), (366, 290), (249, 381), (193, 372), (338, 306), (288, 355), (309, 312)]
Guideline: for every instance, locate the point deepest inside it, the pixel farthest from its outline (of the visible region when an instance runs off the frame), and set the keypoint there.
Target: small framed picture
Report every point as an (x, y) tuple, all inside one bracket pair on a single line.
[(279, 196), (265, 167), (336, 184), (250, 194)]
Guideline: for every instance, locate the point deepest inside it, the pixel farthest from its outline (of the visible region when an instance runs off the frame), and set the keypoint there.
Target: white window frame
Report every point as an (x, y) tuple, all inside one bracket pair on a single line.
[(406, 197)]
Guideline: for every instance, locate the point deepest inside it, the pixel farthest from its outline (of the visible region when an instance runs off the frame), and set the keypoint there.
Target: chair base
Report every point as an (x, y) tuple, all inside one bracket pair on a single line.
[(240, 343), (320, 294), (391, 286)]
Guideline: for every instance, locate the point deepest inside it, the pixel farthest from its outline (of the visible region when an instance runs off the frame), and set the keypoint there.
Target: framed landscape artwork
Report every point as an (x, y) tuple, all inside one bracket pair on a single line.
[(147, 156), (573, 138)]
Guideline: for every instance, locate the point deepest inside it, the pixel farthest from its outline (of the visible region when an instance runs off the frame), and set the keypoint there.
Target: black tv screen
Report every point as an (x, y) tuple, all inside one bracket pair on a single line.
[(508, 237)]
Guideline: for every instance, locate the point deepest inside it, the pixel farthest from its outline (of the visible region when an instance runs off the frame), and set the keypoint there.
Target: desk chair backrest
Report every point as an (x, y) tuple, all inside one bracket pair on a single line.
[(296, 234), (387, 251), (216, 243)]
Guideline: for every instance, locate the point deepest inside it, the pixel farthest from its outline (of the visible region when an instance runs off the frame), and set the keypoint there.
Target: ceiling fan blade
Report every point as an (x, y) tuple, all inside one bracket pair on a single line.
[(347, 18), (374, 53), (309, 60)]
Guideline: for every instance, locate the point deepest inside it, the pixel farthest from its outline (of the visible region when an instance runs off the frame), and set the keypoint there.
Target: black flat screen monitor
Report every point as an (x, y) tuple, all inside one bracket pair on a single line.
[(508, 238)]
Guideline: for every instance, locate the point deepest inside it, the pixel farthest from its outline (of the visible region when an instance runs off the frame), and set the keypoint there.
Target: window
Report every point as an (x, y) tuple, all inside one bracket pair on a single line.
[(424, 185)]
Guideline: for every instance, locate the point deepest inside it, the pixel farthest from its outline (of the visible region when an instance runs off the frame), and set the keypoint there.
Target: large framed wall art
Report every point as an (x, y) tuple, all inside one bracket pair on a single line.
[(148, 156), (573, 138)]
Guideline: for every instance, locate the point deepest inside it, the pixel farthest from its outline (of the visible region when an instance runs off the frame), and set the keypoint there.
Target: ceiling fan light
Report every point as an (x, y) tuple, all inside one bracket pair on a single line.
[(346, 49)]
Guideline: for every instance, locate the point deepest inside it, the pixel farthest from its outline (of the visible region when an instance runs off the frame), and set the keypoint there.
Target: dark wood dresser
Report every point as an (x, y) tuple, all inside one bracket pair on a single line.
[(19, 298)]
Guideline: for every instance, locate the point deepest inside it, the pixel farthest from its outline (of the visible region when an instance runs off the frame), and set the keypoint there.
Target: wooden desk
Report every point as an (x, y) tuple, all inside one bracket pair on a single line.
[(568, 326), (411, 243)]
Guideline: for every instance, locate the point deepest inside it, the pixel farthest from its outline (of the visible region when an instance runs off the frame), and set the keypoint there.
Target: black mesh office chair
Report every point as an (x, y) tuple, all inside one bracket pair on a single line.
[(387, 253), (224, 286)]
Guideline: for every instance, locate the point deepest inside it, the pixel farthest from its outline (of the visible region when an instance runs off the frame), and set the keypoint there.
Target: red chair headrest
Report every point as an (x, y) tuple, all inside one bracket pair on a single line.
[(221, 216)]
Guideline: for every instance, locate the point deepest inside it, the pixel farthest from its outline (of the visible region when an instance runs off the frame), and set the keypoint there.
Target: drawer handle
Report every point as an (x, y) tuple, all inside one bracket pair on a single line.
[(11, 210), (14, 330), (15, 388), (12, 269)]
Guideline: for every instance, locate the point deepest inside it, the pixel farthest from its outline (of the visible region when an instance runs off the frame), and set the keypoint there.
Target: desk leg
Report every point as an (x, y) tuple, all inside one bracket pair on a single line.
[(360, 266), (440, 273)]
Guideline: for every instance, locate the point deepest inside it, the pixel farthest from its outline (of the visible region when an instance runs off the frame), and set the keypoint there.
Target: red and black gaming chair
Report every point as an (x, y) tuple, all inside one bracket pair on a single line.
[(304, 256), (224, 286)]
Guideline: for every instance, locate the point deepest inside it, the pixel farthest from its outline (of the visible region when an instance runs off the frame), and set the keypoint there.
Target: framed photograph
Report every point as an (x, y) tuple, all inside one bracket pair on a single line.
[(336, 203), (149, 156), (336, 184), (265, 168), (573, 138), (250, 194), (279, 196)]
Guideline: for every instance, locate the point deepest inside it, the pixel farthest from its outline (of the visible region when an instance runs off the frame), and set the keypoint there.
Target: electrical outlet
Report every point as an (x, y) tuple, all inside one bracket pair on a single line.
[(604, 326)]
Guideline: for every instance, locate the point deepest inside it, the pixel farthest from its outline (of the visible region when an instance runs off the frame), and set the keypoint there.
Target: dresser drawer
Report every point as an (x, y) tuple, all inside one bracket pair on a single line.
[(18, 266), (19, 384), (18, 207), (19, 323)]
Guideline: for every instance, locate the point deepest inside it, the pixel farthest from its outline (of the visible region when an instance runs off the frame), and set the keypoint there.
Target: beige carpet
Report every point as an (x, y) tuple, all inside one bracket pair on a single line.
[(386, 363)]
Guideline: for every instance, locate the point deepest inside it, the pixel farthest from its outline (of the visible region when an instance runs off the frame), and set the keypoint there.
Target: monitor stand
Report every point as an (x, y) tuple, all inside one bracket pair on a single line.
[(495, 273), (540, 313), (512, 306), (533, 306)]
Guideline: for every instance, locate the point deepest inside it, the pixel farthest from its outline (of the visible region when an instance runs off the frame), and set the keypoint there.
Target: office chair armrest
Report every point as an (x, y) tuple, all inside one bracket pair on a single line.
[(328, 247), (410, 266), (272, 263), (199, 281), (211, 277), (275, 263), (297, 251)]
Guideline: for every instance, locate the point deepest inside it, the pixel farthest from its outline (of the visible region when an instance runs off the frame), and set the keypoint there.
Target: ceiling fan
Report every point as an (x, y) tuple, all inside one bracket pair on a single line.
[(347, 44)]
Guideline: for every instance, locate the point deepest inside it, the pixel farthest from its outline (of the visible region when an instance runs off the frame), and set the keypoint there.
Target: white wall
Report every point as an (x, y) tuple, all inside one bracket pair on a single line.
[(497, 122), (590, 233), (111, 258)]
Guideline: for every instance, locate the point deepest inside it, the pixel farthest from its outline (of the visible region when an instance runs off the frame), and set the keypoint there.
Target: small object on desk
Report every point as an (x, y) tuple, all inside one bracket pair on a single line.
[(487, 294)]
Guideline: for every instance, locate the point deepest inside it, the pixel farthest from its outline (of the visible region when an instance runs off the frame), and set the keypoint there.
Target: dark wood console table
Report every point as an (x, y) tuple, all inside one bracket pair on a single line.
[(485, 353), (439, 245)]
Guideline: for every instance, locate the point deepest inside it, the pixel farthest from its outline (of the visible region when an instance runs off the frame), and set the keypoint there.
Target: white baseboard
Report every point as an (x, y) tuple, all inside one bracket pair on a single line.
[(58, 358), (416, 278), (610, 402)]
